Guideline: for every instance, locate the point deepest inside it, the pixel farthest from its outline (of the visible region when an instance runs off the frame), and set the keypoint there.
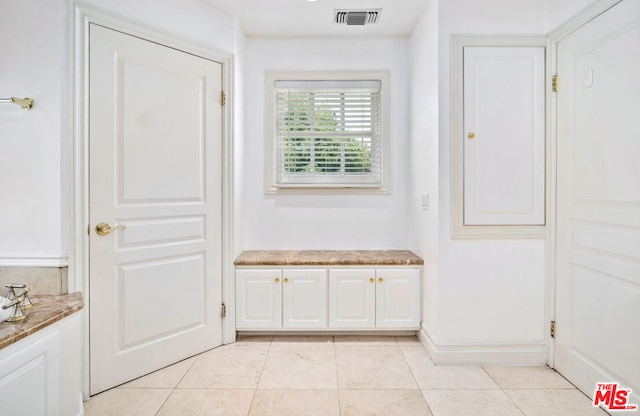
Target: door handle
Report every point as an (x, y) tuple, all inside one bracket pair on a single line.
[(103, 228)]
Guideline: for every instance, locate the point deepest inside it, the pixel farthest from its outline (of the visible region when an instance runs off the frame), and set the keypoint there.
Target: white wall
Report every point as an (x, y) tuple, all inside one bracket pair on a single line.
[(423, 150), (490, 292), (476, 292), (487, 295), (324, 221), (560, 11), (238, 143), (191, 20), (33, 51), (35, 161)]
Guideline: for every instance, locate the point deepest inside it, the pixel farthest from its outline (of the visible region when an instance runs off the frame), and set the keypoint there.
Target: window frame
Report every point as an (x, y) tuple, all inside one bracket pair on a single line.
[(272, 186)]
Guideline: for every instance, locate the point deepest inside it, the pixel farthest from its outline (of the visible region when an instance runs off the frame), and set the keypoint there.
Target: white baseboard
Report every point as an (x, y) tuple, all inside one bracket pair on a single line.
[(511, 354), (328, 332), (81, 407)]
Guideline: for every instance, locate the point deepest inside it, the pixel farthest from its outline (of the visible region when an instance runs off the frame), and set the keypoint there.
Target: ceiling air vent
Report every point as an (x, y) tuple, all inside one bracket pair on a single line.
[(356, 17)]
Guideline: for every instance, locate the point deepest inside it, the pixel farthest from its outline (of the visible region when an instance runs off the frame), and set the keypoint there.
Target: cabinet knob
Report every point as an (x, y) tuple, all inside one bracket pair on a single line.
[(471, 135), (277, 280), (381, 280), (286, 280), (372, 280)]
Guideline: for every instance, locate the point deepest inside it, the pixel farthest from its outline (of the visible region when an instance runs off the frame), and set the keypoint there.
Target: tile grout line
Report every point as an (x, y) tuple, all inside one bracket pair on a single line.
[(335, 366), (173, 390), (404, 357), (503, 390), (164, 402), (264, 364), (189, 369)]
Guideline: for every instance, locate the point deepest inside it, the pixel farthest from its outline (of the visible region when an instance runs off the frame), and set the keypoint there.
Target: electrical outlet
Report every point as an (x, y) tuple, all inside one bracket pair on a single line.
[(425, 202)]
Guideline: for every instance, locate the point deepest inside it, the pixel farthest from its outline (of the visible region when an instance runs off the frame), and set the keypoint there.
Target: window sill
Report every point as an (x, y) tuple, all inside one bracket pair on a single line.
[(326, 190)]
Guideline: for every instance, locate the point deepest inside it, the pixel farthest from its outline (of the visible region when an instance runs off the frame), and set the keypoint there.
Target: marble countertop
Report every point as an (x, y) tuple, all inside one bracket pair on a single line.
[(328, 258), (46, 310)]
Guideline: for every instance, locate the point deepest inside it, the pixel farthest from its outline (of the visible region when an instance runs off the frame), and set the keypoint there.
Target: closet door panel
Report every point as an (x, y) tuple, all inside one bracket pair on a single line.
[(504, 135)]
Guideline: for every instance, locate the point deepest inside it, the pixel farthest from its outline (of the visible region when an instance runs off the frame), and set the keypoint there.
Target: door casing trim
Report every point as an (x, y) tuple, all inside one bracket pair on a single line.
[(77, 152)]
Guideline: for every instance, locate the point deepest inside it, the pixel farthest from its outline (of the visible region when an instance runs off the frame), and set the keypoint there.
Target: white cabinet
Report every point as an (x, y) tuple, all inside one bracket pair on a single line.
[(304, 299), (397, 298), (313, 299), (276, 298), (29, 379), (352, 298), (374, 298), (41, 373), (258, 299)]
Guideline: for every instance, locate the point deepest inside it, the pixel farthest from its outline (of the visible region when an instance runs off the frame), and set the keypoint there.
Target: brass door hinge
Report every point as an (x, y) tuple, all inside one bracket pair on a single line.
[(554, 83), (223, 98), (553, 329), (223, 311)]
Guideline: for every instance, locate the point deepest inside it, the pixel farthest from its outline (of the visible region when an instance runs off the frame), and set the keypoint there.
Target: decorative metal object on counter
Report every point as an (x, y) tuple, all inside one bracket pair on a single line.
[(19, 302)]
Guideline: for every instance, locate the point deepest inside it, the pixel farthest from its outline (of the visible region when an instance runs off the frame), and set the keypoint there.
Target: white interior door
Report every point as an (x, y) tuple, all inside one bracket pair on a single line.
[(155, 168), (598, 217)]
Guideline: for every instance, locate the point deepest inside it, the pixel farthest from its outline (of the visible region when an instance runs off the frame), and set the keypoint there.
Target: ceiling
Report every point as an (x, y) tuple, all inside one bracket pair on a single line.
[(267, 18)]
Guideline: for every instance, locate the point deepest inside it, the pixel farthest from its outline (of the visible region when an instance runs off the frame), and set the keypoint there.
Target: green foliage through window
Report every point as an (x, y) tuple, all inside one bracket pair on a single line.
[(328, 132)]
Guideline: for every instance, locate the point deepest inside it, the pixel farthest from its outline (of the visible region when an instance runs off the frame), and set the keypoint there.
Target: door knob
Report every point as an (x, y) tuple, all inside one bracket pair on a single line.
[(471, 135), (103, 228)]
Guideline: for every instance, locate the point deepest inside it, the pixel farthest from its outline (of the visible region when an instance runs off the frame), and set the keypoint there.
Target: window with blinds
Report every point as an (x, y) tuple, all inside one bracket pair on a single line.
[(328, 133)]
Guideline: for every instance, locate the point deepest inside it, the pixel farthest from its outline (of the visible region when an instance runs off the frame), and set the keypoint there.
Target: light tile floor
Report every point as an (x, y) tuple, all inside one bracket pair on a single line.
[(342, 376)]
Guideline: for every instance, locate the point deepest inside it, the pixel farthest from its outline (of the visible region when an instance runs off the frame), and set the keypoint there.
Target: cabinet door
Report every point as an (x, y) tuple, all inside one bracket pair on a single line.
[(30, 377), (258, 299), (352, 298), (398, 298), (304, 298), (504, 136)]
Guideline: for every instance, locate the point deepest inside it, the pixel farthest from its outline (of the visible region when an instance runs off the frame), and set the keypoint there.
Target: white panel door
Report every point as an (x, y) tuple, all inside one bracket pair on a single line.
[(155, 168), (398, 298), (352, 298), (304, 298), (598, 232), (504, 136), (259, 299)]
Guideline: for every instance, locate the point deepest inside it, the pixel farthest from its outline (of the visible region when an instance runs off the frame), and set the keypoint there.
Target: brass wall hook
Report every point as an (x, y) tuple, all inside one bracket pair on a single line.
[(26, 103)]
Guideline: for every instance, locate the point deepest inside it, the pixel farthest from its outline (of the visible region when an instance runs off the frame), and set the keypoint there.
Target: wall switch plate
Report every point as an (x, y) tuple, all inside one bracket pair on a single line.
[(425, 202)]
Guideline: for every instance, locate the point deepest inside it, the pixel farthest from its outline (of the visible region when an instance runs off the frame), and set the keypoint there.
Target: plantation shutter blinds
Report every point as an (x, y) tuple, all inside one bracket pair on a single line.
[(328, 133)]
